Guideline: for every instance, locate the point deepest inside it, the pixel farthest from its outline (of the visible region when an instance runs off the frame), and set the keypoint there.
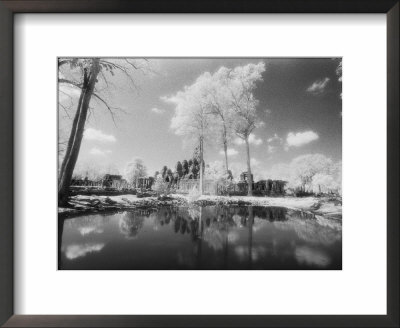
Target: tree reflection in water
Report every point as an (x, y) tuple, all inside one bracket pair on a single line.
[(130, 224), (215, 237), (220, 226)]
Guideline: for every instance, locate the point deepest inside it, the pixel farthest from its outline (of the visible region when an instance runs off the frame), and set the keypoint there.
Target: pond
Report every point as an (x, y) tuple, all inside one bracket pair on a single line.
[(197, 238)]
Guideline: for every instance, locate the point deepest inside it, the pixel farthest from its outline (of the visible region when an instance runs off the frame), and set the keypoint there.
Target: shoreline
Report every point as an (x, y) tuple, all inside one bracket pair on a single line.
[(86, 205)]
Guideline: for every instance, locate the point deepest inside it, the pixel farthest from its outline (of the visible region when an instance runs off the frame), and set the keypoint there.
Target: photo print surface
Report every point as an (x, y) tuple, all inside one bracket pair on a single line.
[(199, 163)]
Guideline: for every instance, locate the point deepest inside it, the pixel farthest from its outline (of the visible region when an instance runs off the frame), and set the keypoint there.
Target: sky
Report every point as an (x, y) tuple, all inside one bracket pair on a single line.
[(299, 102)]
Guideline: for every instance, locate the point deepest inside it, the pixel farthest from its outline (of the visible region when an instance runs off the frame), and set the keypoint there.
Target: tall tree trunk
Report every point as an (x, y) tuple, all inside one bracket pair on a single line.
[(249, 177), (225, 149), (77, 135), (201, 166)]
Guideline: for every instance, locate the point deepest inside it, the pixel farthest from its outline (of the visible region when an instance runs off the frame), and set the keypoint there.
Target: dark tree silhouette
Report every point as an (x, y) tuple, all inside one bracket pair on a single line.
[(185, 165), (179, 169), (164, 172)]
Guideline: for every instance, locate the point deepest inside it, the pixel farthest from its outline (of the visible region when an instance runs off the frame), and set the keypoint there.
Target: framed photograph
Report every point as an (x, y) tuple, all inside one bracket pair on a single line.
[(199, 164)]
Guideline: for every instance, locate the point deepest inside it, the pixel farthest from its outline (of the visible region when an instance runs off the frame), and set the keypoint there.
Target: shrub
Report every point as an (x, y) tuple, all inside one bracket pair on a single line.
[(160, 186)]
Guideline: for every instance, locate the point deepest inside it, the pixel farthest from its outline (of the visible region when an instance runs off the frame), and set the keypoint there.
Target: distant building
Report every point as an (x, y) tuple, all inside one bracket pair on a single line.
[(263, 187), (270, 187), (244, 176), (144, 182), (108, 179)]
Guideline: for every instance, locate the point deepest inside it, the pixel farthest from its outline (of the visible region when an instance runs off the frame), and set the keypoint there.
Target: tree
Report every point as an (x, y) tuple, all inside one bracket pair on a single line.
[(324, 183), (185, 166), (164, 171), (192, 118), (237, 90), (179, 169), (310, 172), (135, 170), (305, 167), (169, 176), (93, 171), (220, 107), (215, 170), (206, 90), (227, 94), (84, 74), (160, 186), (90, 72)]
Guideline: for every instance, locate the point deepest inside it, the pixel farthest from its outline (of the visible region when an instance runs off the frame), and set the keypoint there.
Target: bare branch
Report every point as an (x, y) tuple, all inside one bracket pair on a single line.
[(78, 85), (131, 63), (124, 71), (110, 109), (62, 62), (65, 110)]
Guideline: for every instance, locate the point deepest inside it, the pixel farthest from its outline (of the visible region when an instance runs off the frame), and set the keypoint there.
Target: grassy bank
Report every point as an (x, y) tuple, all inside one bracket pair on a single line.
[(84, 204)]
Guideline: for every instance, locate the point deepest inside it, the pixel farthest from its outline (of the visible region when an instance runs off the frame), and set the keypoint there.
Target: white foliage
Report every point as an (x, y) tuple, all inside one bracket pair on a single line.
[(160, 186), (217, 105), (324, 183), (312, 172), (306, 166), (215, 170), (134, 170)]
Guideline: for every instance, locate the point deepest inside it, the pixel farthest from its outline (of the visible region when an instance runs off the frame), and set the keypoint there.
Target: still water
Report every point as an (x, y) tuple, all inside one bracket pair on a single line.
[(210, 237)]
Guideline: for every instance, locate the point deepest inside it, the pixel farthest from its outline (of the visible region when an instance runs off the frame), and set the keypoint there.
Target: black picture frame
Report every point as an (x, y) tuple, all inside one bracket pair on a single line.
[(10, 7)]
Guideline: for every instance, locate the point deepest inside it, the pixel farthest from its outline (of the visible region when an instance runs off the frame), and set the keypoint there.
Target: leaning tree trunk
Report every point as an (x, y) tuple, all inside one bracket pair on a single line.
[(71, 140), (249, 177), (76, 135)]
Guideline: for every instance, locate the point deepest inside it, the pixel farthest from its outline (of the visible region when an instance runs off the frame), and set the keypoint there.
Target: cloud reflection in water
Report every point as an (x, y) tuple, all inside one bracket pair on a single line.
[(76, 250)]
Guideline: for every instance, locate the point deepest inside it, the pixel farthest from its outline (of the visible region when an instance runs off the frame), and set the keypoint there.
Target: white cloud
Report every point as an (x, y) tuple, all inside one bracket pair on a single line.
[(67, 90), (68, 93), (253, 140), (272, 149), (255, 162), (98, 135), (230, 151), (272, 139), (318, 86), (238, 141), (158, 110), (99, 152), (300, 138), (274, 143), (168, 99)]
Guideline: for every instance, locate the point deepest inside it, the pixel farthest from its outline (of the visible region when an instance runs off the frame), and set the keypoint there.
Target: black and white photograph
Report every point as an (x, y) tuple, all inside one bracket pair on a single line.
[(199, 163)]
